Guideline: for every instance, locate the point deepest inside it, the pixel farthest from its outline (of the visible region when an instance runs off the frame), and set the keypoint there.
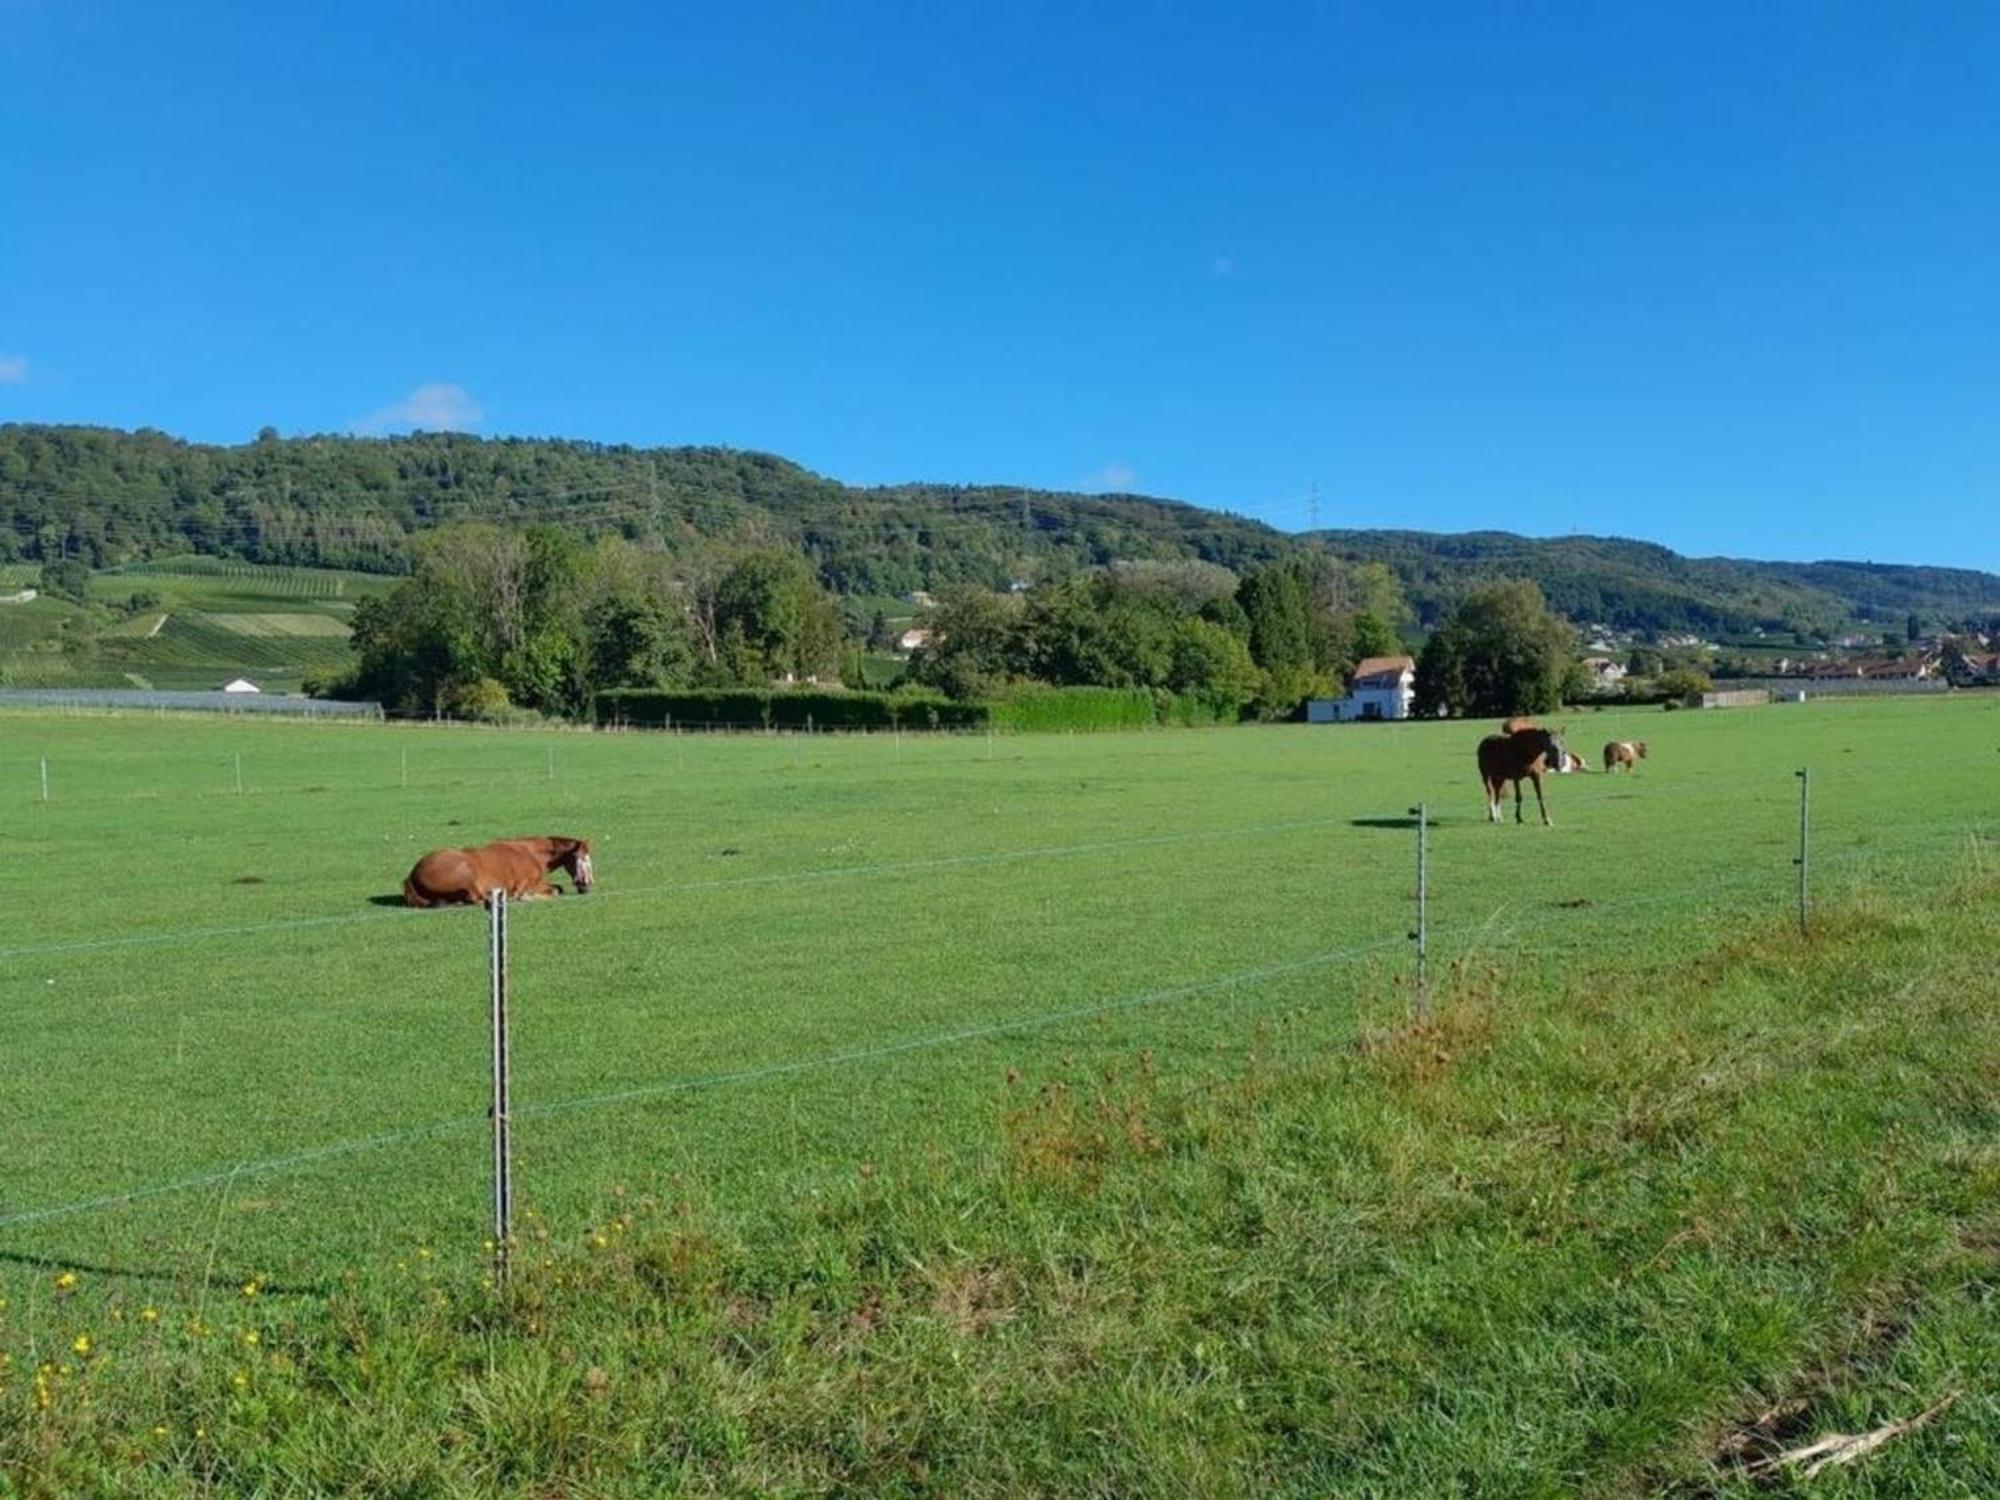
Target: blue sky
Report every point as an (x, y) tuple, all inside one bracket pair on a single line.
[(1717, 275)]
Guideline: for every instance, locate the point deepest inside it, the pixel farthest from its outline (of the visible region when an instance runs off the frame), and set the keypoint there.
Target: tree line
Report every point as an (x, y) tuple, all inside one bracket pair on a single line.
[(1263, 641), (492, 619)]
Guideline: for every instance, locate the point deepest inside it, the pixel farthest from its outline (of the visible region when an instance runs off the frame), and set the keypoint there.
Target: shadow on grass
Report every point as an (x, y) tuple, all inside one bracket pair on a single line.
[(395, 900), (219, 1280), (1407, 821)]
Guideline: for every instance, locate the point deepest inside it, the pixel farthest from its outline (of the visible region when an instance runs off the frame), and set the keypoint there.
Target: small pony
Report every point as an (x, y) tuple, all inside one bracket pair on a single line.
[(520, 867), (1626, 753)]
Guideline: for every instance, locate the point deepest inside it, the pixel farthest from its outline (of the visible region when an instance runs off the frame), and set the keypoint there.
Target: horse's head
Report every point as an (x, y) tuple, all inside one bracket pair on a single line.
[(1555, 753), (573, 855), (1639, 748)]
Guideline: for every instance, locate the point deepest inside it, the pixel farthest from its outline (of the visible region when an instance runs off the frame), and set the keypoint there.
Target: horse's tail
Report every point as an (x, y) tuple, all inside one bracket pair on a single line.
[(413, 896)]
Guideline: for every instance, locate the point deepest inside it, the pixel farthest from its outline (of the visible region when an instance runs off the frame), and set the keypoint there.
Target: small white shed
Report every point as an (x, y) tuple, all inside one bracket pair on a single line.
[(241, 685)]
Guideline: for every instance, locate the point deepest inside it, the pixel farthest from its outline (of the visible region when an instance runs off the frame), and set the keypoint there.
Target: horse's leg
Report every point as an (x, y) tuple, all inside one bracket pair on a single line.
[(1493, 790), (1541, 801), (541, 890), (1517, 801)]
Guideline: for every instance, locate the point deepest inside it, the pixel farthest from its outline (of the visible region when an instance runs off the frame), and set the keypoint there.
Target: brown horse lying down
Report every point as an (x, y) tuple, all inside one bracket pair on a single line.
[(520, 867), (1524, 753), (1626, 753)]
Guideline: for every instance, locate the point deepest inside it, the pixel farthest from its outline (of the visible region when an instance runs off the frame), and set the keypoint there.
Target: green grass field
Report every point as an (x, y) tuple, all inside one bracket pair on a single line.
[(966, 1114)]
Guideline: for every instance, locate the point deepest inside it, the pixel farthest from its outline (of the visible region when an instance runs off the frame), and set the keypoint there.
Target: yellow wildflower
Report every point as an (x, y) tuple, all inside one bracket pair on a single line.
[(81, 1343), (423, 1252), (149, 1315), (66, 1281), (159, 1429), (239, 1380), (250, 1336), (252, 1287)]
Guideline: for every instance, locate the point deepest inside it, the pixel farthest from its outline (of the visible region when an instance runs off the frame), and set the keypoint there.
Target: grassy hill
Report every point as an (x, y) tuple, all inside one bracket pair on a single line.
[(115, 497), (183, 623)]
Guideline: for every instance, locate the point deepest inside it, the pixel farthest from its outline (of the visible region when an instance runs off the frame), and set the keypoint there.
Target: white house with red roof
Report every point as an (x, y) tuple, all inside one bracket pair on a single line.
[(1379, 687)]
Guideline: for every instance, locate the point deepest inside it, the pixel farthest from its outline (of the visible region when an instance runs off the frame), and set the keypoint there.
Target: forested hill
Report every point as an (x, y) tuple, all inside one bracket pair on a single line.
[(1629, 584), (110, 496), (106, 496)]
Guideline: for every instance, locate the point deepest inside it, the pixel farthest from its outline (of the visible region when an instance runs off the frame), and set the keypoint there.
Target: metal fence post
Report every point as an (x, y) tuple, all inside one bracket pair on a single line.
[(45, 778), (1422, 936), (1803, 861), (503, 1164)]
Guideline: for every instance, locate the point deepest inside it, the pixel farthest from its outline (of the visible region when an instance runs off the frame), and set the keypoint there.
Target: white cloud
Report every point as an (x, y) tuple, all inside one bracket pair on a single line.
[(440, 406), (1114, 477), (1222, 265), (13, 369)]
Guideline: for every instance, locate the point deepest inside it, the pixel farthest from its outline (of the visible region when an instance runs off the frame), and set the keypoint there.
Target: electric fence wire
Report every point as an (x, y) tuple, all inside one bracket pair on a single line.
[(308, 1156)]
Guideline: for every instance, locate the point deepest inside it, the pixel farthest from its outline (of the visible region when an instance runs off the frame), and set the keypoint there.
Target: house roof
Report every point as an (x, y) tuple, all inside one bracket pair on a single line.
[(1893, 667), (1379, 666)]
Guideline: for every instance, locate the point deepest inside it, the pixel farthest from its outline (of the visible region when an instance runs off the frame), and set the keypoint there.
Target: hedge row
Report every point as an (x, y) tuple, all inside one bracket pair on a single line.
[(1094, 708), (752, 708), (1028, 710)]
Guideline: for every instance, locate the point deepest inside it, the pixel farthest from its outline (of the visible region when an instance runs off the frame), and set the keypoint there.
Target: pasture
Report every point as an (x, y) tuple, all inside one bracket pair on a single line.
[(933, 962)]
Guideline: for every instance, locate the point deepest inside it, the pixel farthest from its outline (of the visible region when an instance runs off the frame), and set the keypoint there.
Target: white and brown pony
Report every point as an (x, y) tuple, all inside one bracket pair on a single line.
[(520, 867), (1626, 753), (1522, 753)]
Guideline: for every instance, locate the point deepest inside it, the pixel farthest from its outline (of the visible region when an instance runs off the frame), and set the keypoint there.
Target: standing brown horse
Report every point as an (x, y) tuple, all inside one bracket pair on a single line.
[(520, 867), (1523, 753), (1626, 753)]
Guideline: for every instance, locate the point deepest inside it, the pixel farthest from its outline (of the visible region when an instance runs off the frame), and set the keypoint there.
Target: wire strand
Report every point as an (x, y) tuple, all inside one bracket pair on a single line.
[(613, 1098)]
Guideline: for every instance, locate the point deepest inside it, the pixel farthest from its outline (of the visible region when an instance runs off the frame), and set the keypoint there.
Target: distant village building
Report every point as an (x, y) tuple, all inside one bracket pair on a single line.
[(241, 685), (913, 640), (1380, 687), (1897, 669), (1982, 667), (920, 599), (1604, 671)]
